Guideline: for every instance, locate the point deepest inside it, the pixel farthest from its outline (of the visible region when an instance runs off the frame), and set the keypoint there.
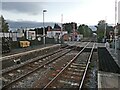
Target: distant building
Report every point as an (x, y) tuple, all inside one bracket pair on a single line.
[(75, 36), (55, 34), (31, 35), (66, 37), (13, 35)]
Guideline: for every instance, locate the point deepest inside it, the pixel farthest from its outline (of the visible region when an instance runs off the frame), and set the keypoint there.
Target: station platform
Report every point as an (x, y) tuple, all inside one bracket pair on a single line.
[(24, 54), (20, 50), (109, 80), (115, 55)]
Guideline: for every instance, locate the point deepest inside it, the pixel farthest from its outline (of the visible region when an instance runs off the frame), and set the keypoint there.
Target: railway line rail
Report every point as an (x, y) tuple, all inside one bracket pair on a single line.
[(73, 74), (67, 63), (67, 67), (32, 60), (13, 75)]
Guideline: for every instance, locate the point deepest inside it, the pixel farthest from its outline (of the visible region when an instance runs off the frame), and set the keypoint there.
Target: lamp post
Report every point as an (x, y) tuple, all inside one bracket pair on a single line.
[(44, 28), (61, 28)]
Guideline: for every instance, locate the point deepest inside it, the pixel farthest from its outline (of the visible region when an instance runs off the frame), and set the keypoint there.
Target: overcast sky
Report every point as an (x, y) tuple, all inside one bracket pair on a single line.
[(80, 11)]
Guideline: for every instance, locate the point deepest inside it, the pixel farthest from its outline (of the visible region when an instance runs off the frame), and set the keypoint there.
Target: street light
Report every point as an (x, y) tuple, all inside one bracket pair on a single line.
[(44, 28), (61, 28)]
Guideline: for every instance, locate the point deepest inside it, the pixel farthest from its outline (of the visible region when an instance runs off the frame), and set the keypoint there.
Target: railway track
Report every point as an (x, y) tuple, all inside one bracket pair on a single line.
[(4, 71), (73, 74), (50, 66), (21, 71)]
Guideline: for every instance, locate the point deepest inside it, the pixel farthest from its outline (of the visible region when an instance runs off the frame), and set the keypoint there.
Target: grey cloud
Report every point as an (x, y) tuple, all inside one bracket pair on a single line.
[(23, 7)]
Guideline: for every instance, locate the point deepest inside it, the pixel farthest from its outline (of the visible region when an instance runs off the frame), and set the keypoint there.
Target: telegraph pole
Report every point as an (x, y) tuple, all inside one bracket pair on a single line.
[(115, 34), (105, 30), (61, 28)]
